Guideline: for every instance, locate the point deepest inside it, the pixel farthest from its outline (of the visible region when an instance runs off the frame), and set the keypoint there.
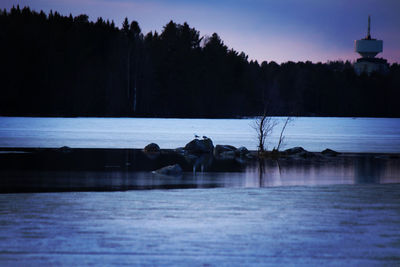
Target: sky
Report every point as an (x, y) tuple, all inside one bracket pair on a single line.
[(265, 30)]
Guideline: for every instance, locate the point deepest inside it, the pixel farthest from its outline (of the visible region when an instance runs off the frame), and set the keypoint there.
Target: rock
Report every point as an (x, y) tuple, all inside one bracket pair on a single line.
[(306, 155), (329, 152), (65, 149), (151, 148), (242, 151), (251, 155), (152, 151), (241, 160), (200, 146), (171, 170), (202, 162), (180, 150), (299, 152), (227, 155), (294, 150), (190, 158), (223, 148), (152, 155)]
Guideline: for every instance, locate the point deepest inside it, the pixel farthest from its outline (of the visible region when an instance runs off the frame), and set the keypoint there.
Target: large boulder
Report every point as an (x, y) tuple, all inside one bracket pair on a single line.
[(227, 155), (171, 170), (306, 155), (242, 151), (329, 152), (201, 162), (295, 150), (299, 152), (65, 149), (180, 150), (200, 146), (223, 148), (151, 148)]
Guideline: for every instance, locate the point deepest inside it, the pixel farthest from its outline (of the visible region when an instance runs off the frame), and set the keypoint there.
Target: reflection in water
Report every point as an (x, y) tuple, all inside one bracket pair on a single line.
[(258, 173), (261, 172), (352, 170), (200, 163), (368, 171), (91, 169)]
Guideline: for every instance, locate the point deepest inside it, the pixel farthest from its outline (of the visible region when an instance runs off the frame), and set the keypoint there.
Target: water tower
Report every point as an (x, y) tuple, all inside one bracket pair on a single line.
[(368, 48)]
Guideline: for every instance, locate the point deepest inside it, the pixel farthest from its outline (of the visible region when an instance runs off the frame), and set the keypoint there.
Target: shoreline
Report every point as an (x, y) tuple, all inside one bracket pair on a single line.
[(24, 170), (6, 150), (138, 160)]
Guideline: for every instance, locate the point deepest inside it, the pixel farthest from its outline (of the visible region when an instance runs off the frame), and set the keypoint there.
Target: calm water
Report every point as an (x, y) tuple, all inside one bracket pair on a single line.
[(314, 134), (227, 174)]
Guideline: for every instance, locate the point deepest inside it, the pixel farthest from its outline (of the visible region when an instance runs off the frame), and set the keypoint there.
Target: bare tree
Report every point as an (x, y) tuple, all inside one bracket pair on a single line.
[(282, 137), (264, 125)]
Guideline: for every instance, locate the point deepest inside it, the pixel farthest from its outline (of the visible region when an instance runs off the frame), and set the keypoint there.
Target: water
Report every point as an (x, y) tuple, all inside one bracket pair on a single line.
[(314, 134), (338, 225), (126, 169), (113, 175), (342, 210)]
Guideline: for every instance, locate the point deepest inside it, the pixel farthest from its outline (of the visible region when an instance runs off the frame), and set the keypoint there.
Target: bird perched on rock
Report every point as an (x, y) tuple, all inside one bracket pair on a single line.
[(196, 136), (205, 137)]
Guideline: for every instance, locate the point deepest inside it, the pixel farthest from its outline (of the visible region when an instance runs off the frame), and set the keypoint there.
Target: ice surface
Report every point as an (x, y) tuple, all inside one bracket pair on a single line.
[(314, 134), (335, 225)]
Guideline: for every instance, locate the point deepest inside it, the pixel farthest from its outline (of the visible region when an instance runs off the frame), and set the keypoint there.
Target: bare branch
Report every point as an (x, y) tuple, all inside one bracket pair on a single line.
[(264, 125), (282, 137)]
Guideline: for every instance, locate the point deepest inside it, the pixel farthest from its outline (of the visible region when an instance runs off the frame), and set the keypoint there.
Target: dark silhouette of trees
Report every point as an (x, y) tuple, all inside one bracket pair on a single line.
[(55, 65), (134, 39)]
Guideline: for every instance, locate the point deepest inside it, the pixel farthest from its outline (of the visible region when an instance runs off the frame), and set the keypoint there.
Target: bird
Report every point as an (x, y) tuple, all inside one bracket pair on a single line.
[(196, 136), (205, 137)]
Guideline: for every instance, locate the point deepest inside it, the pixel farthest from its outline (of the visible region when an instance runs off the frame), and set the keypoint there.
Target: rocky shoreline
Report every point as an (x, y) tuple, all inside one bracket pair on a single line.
[(196, 151), (199, 155), (197, 164)]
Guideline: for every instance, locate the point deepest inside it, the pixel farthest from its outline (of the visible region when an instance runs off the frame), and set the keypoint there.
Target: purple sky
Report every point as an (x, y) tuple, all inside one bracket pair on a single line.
[(278, 30)]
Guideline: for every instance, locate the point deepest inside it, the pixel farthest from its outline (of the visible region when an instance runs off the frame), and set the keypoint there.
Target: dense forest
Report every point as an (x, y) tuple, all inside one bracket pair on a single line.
[(54, 65)]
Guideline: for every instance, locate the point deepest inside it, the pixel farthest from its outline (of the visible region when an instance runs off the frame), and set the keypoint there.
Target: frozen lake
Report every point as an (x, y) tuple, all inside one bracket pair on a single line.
[(343, 210), (314, 134), (356, 225)]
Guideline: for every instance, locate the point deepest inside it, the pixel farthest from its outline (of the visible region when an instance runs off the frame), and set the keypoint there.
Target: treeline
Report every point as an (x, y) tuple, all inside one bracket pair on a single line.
[(54, 65)]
